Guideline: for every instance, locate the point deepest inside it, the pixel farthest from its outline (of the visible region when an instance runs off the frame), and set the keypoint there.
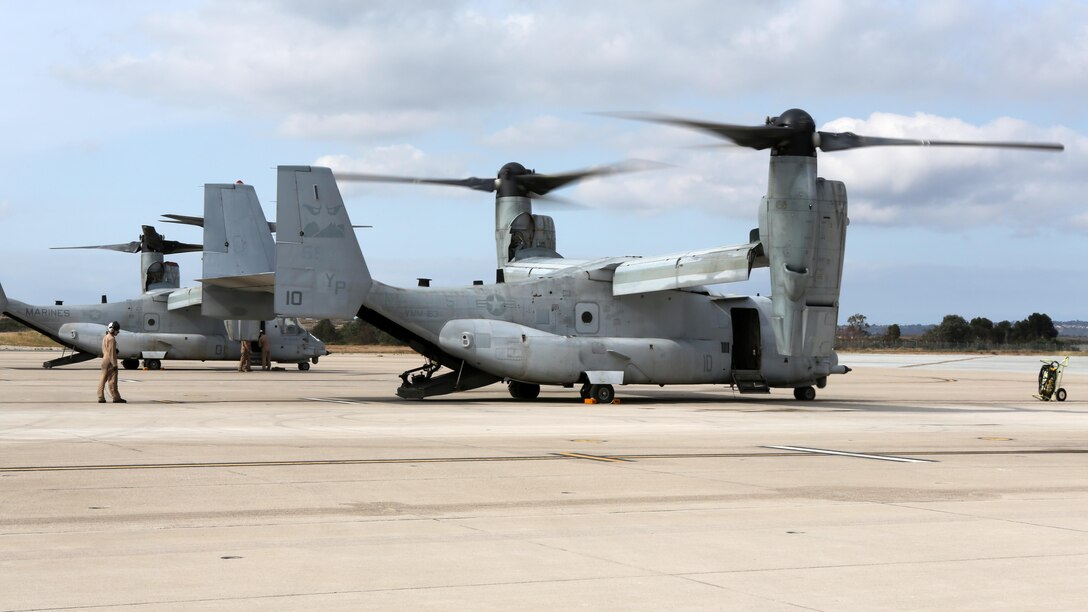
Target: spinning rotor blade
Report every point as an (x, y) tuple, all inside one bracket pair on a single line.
[(128, 247), (794, 133), (523, 181), (199, 221), (541, 184), (841, 141), (154, 242), (151, 242), (184, 220), (754, 136), (479, 184)]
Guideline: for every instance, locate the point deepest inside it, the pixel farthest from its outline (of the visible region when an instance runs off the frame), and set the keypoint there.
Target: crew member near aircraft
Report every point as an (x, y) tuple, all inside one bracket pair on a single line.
[(109, 365), (247, 352), (266, 350)]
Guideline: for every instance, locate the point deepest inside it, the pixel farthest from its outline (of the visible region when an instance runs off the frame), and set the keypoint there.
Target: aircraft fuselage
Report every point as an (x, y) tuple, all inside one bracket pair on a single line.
[(149, 330)]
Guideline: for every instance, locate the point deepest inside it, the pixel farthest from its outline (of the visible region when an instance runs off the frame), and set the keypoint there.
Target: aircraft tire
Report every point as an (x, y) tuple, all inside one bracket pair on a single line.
[(1060, 395), (604, 394), (303, 366), (523, 391), (130, 364), (804, 394), (153, 364), (585, 391)]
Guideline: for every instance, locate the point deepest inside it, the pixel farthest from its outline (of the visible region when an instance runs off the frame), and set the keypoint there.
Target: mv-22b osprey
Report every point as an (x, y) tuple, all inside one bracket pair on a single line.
[(168, 322), (611, 321)]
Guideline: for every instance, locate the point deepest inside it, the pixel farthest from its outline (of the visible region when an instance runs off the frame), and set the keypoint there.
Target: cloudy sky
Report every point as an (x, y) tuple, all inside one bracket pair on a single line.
[(116, 112)]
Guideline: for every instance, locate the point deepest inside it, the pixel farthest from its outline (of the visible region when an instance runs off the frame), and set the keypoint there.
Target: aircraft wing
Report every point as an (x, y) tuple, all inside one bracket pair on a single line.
[(629, 275), (535, 267), (727, 264)]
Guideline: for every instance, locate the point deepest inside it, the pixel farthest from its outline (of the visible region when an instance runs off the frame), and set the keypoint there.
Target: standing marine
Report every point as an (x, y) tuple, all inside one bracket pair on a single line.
[(109, 365), (247, 353), (266, 350)]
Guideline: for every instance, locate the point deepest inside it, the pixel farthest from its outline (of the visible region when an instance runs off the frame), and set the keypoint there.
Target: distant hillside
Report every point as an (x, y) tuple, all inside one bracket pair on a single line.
[(1078, 329)]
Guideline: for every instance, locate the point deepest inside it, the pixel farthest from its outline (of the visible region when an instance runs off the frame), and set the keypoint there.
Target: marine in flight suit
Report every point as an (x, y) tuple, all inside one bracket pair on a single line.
[(109, 365)]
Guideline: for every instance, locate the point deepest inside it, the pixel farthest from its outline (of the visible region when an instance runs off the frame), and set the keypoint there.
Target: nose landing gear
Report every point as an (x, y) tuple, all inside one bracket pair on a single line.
[(804, 394)]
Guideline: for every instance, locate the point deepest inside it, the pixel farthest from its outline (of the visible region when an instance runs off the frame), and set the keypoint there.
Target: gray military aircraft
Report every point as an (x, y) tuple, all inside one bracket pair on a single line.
[(170, 322), (615, 320)]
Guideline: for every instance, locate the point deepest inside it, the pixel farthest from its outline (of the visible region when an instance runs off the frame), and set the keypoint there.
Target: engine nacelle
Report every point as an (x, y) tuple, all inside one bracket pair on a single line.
[(802, 225)]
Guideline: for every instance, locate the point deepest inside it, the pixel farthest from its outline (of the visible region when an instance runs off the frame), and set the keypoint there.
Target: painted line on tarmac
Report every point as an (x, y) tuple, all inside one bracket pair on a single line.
[(918, 365), (332, 400), (627, 457), (593, 457), (824, 451), (244, 464)]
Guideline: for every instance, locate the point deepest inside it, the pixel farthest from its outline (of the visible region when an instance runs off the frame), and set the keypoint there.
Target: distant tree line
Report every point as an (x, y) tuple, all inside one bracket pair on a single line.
[(355, 331), (956, 330)]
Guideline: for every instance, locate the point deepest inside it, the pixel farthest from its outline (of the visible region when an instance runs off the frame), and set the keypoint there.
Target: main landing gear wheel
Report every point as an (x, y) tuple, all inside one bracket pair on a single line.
[(604, 394), (303, 366), (584, 391), (130, 364), (1060, 395), (152, 364), (523, 391), (805, 394)]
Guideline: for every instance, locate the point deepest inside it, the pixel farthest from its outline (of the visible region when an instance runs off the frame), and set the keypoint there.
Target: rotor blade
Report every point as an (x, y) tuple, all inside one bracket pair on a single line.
[(540, 184), (754, 136), (170, 247), (128, 247), (841, 141), (199, 221), (184, 219), (554, 202), (479, 184)]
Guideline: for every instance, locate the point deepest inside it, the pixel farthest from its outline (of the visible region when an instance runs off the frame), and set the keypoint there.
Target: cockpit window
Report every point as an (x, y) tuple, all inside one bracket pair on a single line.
[(291, 327)]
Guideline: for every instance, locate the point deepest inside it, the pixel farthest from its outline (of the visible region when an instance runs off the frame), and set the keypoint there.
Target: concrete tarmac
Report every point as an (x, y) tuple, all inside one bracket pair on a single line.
[(286, 490)]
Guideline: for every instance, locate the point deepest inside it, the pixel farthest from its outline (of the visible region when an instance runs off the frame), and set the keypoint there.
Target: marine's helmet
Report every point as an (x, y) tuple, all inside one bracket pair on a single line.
[(114, 326)]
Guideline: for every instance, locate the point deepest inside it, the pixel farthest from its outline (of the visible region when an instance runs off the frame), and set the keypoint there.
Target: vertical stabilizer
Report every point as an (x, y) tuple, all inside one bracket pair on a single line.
[(320, 271), (239, 255), (3, 300), (237, 241)]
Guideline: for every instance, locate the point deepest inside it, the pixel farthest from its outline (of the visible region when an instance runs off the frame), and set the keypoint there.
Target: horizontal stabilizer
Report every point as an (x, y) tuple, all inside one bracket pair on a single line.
[(184, 298), (706, 267), (264, 281)]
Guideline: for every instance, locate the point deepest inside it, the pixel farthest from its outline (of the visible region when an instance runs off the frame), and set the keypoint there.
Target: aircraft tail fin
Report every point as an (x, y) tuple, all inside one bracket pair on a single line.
[(320, 270), (238, 254), (237, 241), (3, 300)]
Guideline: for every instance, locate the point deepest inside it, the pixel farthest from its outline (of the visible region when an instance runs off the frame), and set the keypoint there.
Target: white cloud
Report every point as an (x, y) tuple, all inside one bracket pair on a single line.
[(542, 131), (356, 126), (326, 62)]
